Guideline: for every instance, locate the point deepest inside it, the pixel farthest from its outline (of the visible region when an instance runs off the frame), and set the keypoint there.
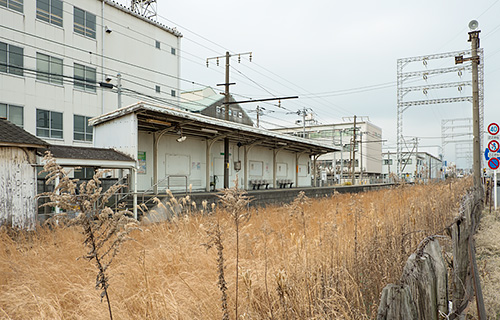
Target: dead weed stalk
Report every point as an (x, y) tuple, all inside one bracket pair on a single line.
[(104, 230), (235, 201)]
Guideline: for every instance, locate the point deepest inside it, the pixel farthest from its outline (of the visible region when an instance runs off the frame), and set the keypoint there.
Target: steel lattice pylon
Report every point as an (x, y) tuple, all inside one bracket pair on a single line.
[(459, 132), (146, 8), (404, 77)]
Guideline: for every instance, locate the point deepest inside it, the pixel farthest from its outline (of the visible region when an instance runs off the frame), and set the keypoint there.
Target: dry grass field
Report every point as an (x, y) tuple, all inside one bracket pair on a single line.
[(314, 259)]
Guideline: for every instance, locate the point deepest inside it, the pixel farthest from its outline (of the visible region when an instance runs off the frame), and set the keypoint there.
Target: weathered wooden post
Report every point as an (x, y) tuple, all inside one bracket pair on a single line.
[(396, 303), (426, 275)]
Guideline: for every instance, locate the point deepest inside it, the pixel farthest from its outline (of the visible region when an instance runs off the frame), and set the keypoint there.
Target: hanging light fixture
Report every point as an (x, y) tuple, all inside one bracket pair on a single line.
[(181, 137)]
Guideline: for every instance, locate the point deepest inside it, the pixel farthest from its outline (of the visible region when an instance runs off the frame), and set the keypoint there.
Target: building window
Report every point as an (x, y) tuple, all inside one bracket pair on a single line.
[(217, 109), (158, 89), (240, 115), (49, 124), (11, 59), (81, 129), (172, 51), (85, 77), (387, 162), (49, 69), (84, 23), (173, 93), (12, 113), (12, 4), (157, 44), (50, 11), (84, 173)]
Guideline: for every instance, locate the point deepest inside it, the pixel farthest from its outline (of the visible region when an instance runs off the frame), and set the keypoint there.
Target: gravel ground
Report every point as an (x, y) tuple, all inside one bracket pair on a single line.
[(488, 260)]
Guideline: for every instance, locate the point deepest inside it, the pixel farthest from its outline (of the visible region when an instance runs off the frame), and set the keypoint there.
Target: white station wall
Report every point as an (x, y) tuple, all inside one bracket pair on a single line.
[(188, 159)]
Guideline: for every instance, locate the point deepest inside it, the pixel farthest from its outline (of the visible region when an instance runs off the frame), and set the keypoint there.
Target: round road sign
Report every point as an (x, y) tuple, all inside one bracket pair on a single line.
[(493, 145), (494, 163), (493, 129)]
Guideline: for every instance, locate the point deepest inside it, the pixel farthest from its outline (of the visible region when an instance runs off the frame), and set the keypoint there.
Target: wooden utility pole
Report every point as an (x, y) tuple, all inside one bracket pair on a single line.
[(474, 58), (353, 162), (474, 40), (361, 157), (388, 165), (260, 111), (226, 108), (226, 117), (227, 103)]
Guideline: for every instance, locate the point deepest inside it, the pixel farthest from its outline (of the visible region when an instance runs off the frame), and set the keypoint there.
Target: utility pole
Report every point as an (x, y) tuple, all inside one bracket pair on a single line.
[(226, 108), (303, 113), (259, 112), (474, 58), (119, 88), (341, 157), (226, 117), (388, 166), (474, 40), (416, 156), (304, 123), (353, 162), (360, 156)]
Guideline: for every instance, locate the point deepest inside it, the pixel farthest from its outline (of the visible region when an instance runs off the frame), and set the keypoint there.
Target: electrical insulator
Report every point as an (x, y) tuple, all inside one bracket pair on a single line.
[(217, 61), (250, 57), (207, 63), (239, 58)]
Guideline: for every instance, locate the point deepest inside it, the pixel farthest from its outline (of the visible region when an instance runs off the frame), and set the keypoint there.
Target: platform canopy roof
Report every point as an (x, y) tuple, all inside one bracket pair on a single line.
[(157, 118)]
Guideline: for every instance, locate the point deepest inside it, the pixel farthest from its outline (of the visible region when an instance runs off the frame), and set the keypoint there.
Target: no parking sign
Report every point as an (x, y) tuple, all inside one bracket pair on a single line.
[(493, 163)]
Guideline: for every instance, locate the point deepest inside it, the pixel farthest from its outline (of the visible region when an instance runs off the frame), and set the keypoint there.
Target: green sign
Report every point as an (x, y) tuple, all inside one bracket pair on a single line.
[(141, 159)]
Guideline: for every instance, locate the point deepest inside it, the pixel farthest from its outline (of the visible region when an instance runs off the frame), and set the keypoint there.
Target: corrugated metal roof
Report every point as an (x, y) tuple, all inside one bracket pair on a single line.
[(154, 118), (12, 135)]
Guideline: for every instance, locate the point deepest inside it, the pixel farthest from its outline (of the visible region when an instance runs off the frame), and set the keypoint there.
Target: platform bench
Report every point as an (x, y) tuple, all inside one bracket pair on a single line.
[(259, 183), (283, 183)]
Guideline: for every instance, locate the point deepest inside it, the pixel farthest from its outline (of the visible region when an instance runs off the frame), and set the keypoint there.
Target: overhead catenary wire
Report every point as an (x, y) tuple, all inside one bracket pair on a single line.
[(307, 97)]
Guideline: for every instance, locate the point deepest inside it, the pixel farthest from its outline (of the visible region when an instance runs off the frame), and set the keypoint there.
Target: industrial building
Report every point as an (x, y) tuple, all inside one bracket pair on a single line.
[(64, 62), (336, 167), (415, 166)]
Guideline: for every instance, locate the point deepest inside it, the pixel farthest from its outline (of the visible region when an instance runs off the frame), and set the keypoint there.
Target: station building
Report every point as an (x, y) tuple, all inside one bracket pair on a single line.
[(176, 149)]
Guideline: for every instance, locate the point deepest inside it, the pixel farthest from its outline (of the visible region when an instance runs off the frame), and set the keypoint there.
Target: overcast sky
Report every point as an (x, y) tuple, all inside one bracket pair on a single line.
[(339, 57)]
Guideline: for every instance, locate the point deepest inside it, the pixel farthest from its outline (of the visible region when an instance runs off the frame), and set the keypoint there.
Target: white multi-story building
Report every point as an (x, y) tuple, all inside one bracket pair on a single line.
[(415, 165), (64, 62), (367, 147)]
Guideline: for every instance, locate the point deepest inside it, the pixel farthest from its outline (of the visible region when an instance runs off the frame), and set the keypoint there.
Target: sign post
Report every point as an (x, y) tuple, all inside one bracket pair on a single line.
[(496, 188), (491, 155)]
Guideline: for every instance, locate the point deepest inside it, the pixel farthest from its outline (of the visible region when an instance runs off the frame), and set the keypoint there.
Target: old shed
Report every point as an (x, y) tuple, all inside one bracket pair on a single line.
[(18, 175)]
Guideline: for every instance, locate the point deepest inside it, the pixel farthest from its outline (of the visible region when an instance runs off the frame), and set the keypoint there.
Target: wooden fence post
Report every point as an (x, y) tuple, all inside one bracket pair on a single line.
[(396, 303)]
